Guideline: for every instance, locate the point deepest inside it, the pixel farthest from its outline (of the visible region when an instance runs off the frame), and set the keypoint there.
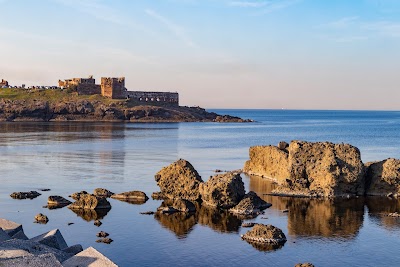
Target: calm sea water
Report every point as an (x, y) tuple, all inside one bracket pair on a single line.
[(70, 157)]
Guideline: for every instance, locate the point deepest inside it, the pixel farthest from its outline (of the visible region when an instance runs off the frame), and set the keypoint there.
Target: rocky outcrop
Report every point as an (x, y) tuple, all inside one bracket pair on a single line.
[(268, 161), (91, 202), (25, 195), (383, 178), (101, 192), (179, 180), (77, 195), (251, 205), (222, 190), (40, 108), (131, 195), (41, 218), (320, 169), (262, 233), (54, 202)]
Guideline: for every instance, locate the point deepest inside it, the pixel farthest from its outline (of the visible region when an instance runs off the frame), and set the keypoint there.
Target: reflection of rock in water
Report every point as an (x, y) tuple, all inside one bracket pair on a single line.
[(218, 220), (379, 207), (327, 218), (133, 201), (91, 215), (180, 223), (266, 247), (55, 206)]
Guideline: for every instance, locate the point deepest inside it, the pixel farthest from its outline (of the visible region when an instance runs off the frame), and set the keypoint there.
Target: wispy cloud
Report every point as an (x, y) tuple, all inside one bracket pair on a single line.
[(254, 4), (175, 29), (342, 22), (386, 28), (277, 5)]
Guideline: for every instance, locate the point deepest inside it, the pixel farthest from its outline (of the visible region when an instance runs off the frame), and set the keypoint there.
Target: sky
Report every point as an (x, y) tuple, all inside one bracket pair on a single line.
[(265, 54)]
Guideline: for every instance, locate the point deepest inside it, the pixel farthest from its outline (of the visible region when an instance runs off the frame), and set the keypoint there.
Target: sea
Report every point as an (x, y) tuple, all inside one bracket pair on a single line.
[(68, 157)]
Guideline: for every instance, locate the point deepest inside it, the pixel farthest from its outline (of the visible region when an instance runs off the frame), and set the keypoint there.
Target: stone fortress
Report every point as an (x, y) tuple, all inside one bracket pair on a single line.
[(115, 88)]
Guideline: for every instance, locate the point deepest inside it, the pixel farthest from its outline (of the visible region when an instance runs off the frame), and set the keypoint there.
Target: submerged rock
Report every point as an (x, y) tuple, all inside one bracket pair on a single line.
[(383, 178), (262, 233), (102, 234), (250, 205), (105, 240), (41, 218), (101, 192), (179, 180), (25, 195), (223, 190), (97, 223)]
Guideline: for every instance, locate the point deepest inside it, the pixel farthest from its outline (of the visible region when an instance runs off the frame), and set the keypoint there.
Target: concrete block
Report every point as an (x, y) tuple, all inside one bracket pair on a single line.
[(11, 228), (12, 253), (3, 235), (20, 235), (52, 239), (35, 248), (89, 257), (32, 261), (75, 249)]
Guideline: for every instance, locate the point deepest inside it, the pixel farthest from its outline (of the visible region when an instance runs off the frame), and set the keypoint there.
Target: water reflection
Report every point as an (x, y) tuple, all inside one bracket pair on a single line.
[(379, 207), (91, 215), (179, 223), (264, 247)]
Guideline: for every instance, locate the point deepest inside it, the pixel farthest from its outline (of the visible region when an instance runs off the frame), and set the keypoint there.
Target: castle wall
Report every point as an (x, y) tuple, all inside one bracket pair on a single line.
[(164, 97), (113, 87), (89, 89)]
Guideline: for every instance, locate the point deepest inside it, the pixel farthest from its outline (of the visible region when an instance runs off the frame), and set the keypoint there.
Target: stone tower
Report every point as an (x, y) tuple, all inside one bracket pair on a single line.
[(113, 87)]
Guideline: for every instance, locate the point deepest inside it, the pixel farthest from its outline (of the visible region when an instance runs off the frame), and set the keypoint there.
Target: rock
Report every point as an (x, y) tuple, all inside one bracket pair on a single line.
[(248, 225), (105, 240), (75, 249), (167, 210), (383, 177), (250, 205), (222, 190), (70, 223), (307, 264), (77, 195), (11, 228), (157, 196), (88, 201), (25, 195), (35, 248), (269, 162), (147, 213), (285, 211), (44, 189), (52, 239), (283, 145), (32, 261), (131, 195), (41, 218), (97, 223), (183, 205), (262, 233), (320, 169), (394, 214), (101, 192), (4, 236), (57, 202), (12, 253), (89, 257), (179, 180), (102, 234)]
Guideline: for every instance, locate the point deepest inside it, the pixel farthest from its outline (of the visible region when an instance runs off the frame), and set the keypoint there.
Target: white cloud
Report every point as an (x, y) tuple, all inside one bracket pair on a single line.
[(177, 30), (343, 22)]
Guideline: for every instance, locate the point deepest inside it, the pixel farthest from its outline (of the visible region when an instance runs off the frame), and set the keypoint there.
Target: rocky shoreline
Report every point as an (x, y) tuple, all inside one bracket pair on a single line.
[(93, 111)]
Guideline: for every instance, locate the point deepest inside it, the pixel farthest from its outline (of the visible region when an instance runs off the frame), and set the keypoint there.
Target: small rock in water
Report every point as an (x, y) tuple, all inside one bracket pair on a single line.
[(307, 264), (218, 170), (147, 213), (264, 218), (70, 224), (104, 240), (97, 223), (25, 195), (248, 224), (394, 214), (285, 211), (44, 189), (102, 234), (41, 218)]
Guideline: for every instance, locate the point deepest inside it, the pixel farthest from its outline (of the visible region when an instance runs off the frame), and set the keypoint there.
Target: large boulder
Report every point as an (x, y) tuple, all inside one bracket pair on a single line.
[(131, 195), (269, 162), (102, 192), (179, 180), (320, 169), (383, 178), (91, 202), (223, 190), (250, 205), (262, 233)]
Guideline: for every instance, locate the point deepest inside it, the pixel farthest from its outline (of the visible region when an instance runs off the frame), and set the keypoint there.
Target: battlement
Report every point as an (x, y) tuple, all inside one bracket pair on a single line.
[(163, 97)]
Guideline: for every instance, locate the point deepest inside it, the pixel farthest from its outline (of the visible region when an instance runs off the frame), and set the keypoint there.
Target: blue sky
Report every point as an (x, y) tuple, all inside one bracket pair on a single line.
[(307, 54)]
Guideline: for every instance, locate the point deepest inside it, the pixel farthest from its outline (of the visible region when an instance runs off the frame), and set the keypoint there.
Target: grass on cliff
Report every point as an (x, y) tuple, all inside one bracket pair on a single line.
[(58, 95)]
